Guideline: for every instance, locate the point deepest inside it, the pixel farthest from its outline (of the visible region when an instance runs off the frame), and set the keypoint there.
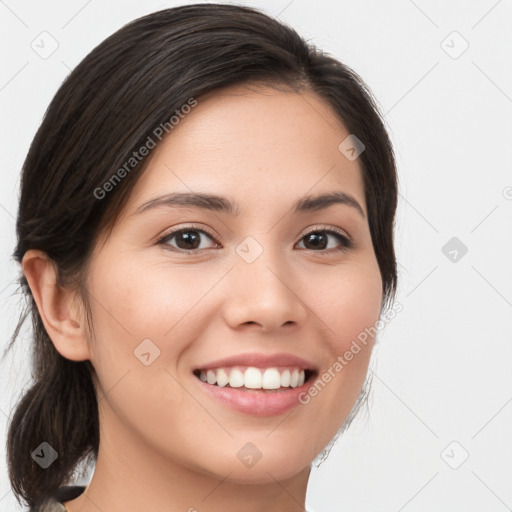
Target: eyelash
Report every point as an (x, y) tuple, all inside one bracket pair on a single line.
[(346, 243)]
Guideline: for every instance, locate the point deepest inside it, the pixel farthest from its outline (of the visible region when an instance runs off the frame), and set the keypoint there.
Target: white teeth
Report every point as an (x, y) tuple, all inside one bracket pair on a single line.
[(254, 378), (211, 378), (222, 378), (236, 379), (271, 379)]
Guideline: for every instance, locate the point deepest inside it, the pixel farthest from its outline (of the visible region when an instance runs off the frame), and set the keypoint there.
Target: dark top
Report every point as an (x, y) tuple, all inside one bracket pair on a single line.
[(56, 500)]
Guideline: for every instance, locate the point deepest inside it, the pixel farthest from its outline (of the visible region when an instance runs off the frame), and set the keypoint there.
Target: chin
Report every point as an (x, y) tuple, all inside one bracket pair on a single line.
[(252, 466), (268, 473)]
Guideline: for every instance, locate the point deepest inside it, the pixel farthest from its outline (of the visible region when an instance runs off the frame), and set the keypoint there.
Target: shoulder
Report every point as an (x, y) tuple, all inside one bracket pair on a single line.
[(55, 502)]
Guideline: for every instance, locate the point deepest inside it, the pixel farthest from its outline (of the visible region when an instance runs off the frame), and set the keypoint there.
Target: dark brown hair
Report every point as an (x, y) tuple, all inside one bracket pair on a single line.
[(104, 111)]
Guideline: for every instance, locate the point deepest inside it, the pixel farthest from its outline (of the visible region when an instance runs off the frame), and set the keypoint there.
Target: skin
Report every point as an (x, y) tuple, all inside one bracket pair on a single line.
[(165, 444)]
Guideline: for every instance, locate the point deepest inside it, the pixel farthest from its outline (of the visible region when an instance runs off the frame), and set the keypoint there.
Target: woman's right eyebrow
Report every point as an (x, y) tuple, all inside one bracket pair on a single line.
[(222, 204)]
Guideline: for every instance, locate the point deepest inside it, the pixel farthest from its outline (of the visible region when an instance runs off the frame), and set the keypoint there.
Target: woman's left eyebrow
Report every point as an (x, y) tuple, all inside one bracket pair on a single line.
[(223, 204)]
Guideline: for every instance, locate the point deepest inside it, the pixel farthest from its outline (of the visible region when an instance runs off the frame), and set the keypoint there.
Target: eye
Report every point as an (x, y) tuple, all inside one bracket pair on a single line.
[(318, 240), (187, 239)]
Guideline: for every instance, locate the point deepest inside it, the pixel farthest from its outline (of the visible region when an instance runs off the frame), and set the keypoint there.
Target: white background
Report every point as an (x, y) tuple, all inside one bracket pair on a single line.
[(443, 365)]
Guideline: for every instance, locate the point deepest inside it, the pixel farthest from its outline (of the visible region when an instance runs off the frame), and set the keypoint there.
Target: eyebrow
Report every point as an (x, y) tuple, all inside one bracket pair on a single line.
[(221, 204)]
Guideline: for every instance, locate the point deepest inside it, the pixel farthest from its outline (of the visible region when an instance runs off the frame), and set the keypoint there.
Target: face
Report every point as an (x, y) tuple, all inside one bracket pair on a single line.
[(178, 288)]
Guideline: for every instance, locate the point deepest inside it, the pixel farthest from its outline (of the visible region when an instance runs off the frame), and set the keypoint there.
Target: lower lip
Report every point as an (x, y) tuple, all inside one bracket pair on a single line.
[(256, 403)]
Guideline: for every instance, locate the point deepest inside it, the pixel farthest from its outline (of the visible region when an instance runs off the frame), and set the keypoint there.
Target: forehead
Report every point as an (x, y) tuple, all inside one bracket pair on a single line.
[(257, 144)]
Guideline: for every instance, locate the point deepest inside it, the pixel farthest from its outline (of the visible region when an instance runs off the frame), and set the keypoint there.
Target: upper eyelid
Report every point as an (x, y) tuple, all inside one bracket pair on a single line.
[(324, 227)]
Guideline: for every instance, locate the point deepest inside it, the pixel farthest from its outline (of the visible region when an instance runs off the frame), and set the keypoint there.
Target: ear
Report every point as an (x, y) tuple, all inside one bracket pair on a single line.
[(62, 317)]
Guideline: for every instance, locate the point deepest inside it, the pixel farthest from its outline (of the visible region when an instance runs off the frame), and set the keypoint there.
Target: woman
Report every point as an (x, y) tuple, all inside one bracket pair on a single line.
[(205, 233)]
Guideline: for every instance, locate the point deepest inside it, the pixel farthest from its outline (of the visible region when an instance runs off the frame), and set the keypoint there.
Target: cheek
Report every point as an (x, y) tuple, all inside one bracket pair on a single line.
[(135, 298), (141, 325), (349, 309), (135, 302), (348, 304)]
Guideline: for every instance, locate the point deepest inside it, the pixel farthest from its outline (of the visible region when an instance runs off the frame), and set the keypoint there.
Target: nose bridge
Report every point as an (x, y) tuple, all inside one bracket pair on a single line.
[(261, 289)]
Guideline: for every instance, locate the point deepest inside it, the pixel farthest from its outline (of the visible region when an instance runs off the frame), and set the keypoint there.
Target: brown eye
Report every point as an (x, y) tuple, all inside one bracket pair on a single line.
[(187, 239), (319, 240)]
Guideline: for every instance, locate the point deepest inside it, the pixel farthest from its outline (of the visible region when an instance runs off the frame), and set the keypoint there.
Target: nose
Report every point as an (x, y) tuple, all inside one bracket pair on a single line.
[(265, 294)]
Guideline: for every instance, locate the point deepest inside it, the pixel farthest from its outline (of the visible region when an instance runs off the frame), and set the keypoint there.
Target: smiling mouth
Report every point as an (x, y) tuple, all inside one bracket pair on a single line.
[(254, 379)]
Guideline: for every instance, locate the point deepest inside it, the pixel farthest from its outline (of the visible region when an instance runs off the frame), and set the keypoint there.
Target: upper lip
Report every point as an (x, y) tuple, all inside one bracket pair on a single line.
[(261, 361)]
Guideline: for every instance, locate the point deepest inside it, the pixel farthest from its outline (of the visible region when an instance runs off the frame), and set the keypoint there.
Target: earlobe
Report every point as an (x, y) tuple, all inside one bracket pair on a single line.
[(57, 306)]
